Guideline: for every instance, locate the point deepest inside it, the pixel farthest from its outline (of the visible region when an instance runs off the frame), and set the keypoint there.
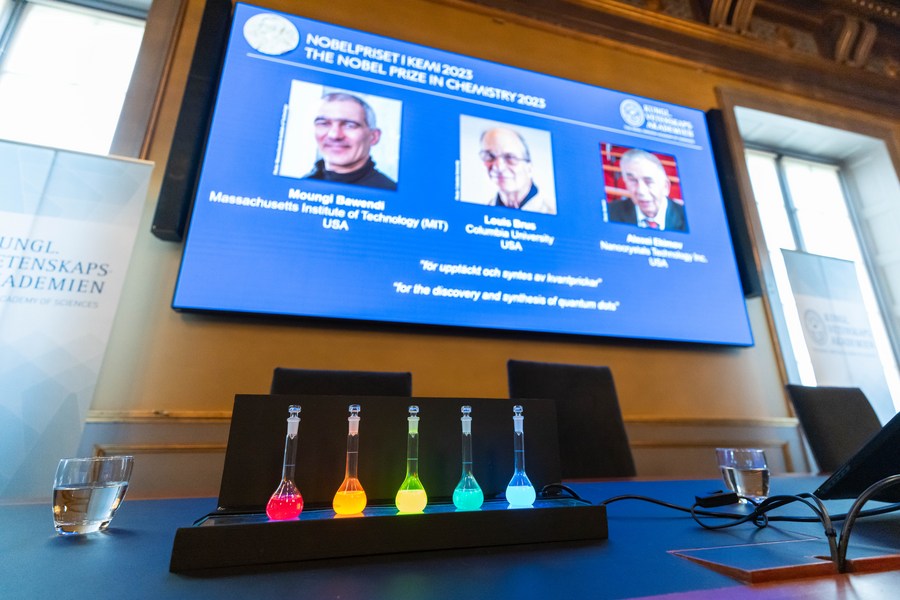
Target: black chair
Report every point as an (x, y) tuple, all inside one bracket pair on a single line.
[(592, 438), (837, 421), (317, 382)]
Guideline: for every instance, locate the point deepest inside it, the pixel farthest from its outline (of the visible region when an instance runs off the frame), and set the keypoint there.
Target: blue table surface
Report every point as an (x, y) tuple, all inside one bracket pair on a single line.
[(131, 559)]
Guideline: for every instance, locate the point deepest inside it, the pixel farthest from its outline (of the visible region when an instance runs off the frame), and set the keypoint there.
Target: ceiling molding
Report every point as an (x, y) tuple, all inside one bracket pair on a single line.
[(841, 51)]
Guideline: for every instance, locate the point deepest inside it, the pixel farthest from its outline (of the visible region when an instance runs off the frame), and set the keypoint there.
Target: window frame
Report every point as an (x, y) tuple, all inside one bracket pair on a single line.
[(843, 119), (163, 21), (140, 111), (801, 243)]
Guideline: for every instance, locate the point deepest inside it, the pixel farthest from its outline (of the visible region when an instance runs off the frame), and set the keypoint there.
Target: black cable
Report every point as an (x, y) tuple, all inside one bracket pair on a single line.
[(555, 490), (856, 511), (670, 505), (872, 512), (756, 516), (686, 509), (773, 518), (760, 518)]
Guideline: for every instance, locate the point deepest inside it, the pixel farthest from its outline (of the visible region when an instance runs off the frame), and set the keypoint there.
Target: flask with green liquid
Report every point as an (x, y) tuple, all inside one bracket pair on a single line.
[(411, 497), (468, 494)]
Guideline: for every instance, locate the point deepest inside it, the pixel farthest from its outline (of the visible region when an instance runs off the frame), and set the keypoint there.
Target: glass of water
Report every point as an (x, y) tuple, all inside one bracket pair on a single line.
[(745, 472), (87, 492)]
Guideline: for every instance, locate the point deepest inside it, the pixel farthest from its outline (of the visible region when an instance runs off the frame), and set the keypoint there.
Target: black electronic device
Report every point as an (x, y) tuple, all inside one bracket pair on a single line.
[(878, 459), (734, 205)]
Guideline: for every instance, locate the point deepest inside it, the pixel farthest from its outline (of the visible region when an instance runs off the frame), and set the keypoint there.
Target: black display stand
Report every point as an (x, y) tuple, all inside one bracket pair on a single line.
[(239, 534), (220, 541)]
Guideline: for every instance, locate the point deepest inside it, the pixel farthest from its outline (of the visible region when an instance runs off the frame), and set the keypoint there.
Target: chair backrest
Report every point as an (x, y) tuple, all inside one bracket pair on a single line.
[(316, 382), (837, 421), (592, 438)]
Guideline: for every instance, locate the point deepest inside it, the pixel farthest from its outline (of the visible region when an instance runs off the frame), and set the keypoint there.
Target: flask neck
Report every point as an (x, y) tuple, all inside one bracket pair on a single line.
[(466, 454), (519, 451), (412, 455), (290, 454), (352, 456)]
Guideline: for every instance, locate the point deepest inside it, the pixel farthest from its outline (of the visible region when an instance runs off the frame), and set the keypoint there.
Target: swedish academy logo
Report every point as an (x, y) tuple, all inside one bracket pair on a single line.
[(271, 34), (632, 112), (816, 327)]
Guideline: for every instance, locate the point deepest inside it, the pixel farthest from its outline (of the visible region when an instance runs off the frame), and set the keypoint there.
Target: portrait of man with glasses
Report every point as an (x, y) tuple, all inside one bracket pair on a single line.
[(507, 159)]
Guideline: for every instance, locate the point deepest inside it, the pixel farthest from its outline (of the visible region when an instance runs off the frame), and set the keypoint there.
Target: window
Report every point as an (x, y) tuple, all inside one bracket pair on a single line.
[(65, 69), (813, 191)]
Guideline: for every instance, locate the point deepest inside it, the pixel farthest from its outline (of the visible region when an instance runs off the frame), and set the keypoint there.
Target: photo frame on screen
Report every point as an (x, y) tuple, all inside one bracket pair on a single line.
[(531, 148), (641, 184), (299, 151)]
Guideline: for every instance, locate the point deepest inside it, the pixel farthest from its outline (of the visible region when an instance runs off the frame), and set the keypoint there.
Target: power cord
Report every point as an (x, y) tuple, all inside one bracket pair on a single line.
[(558, 490), (856, 512), (760, 517)]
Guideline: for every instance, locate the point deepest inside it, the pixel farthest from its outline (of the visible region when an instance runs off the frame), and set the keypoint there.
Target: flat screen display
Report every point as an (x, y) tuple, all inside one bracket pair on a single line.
[(352, 176)]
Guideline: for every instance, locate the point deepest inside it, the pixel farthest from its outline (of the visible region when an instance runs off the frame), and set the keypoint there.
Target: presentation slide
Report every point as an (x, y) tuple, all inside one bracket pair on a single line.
[(352, 176)]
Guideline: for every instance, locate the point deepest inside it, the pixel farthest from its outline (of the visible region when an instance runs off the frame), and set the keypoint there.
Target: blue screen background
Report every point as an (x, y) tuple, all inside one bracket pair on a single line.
[(241, 256)]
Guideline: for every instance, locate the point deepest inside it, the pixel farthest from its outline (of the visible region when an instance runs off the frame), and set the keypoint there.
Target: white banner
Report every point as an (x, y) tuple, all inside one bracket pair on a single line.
[(836, 327), (68, 222)]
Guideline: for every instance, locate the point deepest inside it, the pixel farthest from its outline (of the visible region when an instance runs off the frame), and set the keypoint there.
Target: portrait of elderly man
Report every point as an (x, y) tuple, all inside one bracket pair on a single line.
[(345, 130), (506, 157), (648, 203)]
